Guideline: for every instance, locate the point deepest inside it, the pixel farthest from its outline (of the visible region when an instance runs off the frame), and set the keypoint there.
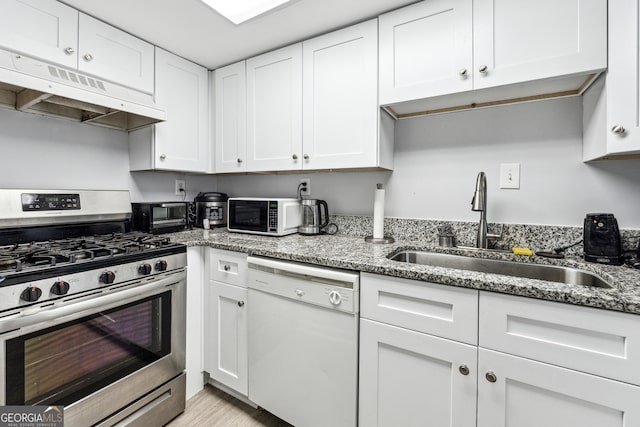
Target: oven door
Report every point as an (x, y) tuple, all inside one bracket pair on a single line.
[(96, 354)]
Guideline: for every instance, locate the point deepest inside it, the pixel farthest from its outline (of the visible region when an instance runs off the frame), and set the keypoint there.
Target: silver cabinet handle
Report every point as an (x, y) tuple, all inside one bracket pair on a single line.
[(88, 57), (294, 157), (163, 157), (618, 129), (306, 157), (69, 51), (463, 73), (240, 303), (483, 69), (464, 369), (226, 267), (239, 160), (491, 376)]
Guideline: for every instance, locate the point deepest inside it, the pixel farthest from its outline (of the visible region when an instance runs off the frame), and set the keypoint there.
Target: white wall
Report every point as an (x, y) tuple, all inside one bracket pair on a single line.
[(43, 152), (437, 159)]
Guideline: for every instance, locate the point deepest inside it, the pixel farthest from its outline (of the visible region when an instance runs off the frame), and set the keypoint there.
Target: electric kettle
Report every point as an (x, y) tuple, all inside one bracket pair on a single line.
[(315, 216)]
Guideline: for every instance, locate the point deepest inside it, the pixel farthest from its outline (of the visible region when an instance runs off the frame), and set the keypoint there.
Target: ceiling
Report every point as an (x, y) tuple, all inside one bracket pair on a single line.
[(196, 32)]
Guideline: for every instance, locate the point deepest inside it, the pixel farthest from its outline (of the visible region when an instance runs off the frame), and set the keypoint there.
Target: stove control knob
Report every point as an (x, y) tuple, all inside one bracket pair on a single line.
[(60, 288), (31, 294), (144, 269), (107, 277), (161, 265)]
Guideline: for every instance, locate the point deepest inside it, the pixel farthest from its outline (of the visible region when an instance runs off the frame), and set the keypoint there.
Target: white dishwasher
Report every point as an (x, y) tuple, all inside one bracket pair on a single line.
[(303, 342)]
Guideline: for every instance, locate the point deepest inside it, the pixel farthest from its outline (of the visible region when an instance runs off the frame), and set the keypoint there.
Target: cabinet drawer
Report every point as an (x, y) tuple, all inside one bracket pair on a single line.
[(599, 342), (228, 267), (440, 310)]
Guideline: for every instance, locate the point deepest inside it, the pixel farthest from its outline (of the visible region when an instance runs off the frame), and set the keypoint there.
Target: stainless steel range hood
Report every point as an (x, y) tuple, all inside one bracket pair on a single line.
[(32, 85)]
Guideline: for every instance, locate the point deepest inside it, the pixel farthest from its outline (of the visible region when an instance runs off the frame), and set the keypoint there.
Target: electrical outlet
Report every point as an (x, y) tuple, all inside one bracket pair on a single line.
[(181, 187), (510, 175), (306, 192)]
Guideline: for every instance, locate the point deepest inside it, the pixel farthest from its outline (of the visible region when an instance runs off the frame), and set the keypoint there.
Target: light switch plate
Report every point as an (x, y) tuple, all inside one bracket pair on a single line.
[(510, 175)]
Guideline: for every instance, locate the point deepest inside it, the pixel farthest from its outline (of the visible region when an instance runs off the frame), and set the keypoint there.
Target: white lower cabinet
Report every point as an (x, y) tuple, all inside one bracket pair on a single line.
[(416, 373), (225, 323), (518, 392), (412, 379)]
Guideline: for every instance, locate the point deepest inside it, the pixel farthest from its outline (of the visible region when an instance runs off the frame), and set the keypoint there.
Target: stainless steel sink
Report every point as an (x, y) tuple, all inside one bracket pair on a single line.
[(550, 273)]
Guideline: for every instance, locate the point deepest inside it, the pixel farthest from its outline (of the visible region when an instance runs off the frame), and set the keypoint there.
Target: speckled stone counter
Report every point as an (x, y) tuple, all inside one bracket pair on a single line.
[(353, 253)]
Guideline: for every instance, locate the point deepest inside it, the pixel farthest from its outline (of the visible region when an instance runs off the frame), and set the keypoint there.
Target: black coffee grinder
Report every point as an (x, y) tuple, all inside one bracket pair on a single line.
[(602, 243)]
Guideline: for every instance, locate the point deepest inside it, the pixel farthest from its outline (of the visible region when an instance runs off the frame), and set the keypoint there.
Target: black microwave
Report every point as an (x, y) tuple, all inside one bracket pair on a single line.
[(159, 217)]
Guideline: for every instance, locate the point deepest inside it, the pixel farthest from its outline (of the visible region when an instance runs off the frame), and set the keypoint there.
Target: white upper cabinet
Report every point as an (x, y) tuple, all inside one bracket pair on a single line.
[(521, 40), (611, 109), (517, 48), (340, 99), (274, 110), (230, 118), (182, 142), (43, 29), (52, 31), (426, 50), (115, 55)]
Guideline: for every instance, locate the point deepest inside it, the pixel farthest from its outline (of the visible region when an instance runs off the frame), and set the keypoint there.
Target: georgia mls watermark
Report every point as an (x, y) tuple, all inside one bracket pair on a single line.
[(31, 416)]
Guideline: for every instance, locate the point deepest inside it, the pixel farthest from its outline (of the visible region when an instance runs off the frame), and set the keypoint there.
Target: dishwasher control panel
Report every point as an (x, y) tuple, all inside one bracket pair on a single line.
[(305, 286)]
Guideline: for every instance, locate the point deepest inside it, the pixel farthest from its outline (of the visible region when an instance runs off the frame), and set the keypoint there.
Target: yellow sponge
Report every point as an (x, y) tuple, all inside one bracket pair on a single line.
[(522, 251)]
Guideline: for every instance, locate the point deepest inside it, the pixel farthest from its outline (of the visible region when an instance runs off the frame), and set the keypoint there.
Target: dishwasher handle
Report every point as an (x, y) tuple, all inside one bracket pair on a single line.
[(350, 279)]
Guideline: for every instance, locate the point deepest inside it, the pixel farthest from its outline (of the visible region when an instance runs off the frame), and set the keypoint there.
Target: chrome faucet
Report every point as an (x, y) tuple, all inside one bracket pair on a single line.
[(479, 204)]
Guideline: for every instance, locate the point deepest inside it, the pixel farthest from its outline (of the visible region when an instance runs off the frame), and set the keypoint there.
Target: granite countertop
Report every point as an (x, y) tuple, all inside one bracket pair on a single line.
[(353, 253)]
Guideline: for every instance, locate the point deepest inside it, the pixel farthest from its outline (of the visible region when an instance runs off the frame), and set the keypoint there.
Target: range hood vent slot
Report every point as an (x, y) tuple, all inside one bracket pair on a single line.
[(31, 85)]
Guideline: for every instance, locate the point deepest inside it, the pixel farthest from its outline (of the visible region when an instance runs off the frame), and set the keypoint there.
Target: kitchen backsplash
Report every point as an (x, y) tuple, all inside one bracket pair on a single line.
[(425, 231)]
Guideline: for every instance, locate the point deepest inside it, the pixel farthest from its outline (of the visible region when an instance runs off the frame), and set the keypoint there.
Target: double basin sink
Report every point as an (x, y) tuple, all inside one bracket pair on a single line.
[(551, 273)]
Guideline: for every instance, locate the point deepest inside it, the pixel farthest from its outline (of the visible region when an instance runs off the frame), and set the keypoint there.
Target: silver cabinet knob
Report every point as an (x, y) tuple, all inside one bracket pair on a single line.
[(483, 69), (239, 160), (618, 129), (463, 73), (294, 157), (491, 376), (88, 57), (464, 369), (69, 51), (163, 157), (240, 303), (226, 267), (306, 157), (299, 292)]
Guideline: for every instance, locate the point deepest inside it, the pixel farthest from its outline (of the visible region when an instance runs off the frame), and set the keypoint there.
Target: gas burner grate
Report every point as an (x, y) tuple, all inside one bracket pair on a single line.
[(52, 253)]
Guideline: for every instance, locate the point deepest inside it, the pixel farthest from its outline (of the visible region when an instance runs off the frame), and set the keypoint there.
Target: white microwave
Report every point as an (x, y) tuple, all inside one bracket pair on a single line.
[(266, 216)]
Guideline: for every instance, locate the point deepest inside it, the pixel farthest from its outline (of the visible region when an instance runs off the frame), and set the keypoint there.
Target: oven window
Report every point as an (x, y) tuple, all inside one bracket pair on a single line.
[(248, 215), (64, 363)]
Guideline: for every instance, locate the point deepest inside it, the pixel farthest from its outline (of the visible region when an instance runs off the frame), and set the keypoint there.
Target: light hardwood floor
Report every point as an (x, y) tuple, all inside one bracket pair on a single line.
[(213, 407)]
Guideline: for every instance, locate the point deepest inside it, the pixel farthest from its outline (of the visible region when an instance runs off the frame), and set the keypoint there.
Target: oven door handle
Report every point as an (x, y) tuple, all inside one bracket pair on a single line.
[(83, 308)]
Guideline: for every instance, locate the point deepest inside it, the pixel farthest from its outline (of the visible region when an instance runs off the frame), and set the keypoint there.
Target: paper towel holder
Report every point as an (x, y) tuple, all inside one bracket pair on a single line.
[(385, 239), (378, 219)]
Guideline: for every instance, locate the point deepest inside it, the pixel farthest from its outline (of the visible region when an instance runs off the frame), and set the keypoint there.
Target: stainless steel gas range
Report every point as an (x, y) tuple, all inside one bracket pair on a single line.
[(92, 315)]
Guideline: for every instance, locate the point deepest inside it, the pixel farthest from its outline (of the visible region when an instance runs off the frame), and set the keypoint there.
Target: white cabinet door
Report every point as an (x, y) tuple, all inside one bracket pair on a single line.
[(225, 331), (533, 394), (426, 50), (230, 117), (182, 142), (114, 55), (623, 83), (413, 379), (43, 29), (274, 110), (340, 99), (611, 111), (523, 40)]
